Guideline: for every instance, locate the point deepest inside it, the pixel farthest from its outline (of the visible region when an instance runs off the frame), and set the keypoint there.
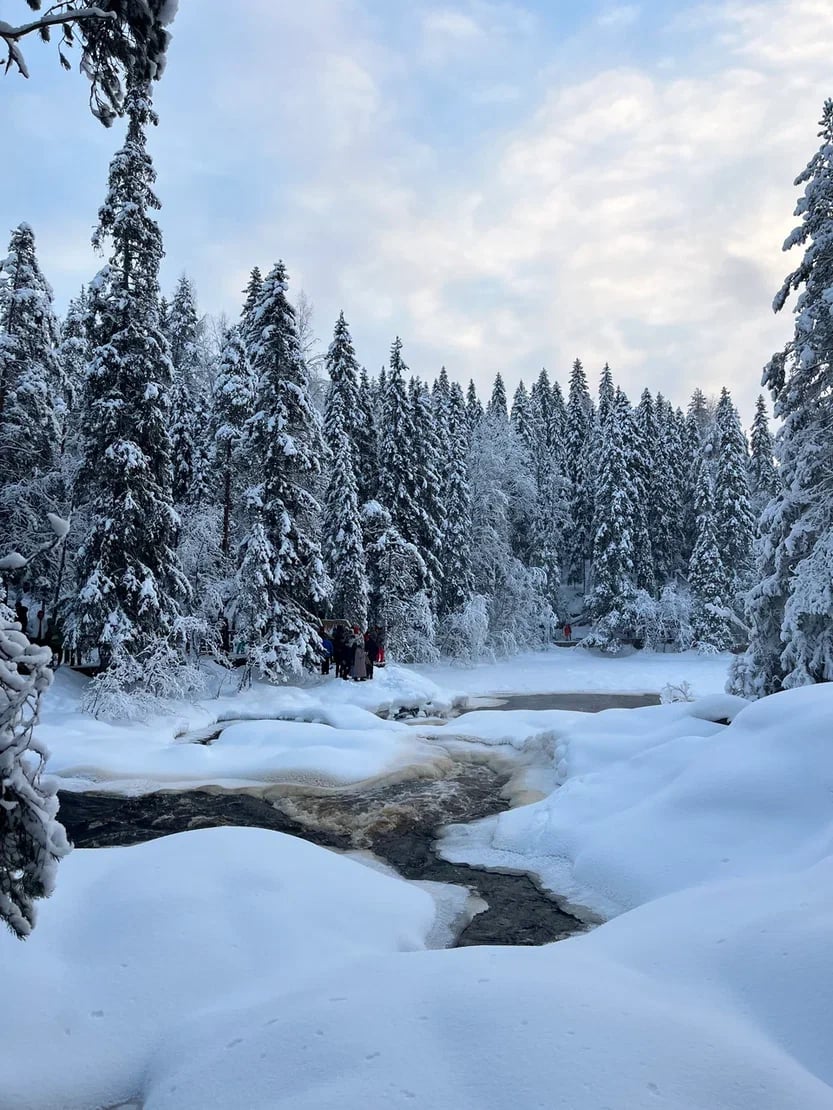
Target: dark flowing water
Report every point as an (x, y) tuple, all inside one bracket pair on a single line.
[(397, 822), (578, 702)]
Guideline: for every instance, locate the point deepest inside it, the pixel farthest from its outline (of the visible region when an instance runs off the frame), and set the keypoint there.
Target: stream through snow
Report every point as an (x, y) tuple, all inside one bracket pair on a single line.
[(397, 822)]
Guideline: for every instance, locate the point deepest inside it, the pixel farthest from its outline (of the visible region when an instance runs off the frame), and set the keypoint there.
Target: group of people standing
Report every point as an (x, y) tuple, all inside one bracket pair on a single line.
[(352, 652)]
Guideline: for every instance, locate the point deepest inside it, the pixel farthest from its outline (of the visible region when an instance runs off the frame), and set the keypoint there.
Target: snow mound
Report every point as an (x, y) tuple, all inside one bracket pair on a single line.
[(662, 1008), (324, 733), (137, 942), (656, 800)]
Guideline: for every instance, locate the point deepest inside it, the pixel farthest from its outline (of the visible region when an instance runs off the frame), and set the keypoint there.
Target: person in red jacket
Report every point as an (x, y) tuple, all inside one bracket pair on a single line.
[(568, 631)]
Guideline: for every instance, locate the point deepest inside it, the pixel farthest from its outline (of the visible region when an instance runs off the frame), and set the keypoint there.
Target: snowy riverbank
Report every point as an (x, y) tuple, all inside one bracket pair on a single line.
[(231, 967)]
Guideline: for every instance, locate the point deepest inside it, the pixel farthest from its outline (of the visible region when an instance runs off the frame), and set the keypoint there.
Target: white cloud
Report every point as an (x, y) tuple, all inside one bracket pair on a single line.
[(619, 15)]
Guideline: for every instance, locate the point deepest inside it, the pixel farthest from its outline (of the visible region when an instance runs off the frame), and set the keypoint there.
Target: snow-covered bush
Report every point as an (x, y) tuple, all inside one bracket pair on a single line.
[(465, 634), (676, 692), (135, 686), (31, 839)]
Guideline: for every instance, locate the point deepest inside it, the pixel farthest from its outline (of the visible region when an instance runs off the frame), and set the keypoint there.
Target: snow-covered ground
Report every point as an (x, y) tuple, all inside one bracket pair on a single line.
[(239, 967), (337, 738)]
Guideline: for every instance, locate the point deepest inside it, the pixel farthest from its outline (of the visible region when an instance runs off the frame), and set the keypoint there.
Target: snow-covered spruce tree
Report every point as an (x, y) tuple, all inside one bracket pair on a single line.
[(398, 601), (400, 479), (711, 619), (282, 580), (131, 586), (343, 545), (342, 410), (429, 469), (763, 476), (367, 455), (440, 402), (251, 297), (790, 607), (474, 408), (734, 520), (32, 391), (74, 354), (558, 423), (497, 402), (607, 394), (616, 510), (657, 489), (550, 519), (341, 526), (672, 541), (457, 582), (31, 839), (578, 446), (189, 396), (701, 417), (233, 404)]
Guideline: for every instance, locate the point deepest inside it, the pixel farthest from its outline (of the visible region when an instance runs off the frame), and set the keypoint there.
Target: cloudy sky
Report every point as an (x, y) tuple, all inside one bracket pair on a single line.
[(507, 185)]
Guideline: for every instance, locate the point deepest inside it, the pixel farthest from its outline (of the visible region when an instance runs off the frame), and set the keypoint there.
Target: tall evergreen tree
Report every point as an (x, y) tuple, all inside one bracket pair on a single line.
[(74, 354), (474, 408), (763, 476), (457, 582), (429, 470), (707, 577), (497, 402), (791, 604), (344, 555), (607, 394), (188, 401), (131, 583), (733, 517), (251, 298), (616, 509), (578, 444), (282, 577), (399, 482), (341, 527), (367, 455), (32, 388), (342, 411), (233, 405)]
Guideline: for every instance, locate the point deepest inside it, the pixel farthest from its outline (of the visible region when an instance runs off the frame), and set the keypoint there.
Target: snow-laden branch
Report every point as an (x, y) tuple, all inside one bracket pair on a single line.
[(53, 18)]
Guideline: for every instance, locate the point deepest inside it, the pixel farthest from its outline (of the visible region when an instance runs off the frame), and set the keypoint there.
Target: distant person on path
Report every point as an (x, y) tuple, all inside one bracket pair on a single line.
[(358, 663), (568, 631)]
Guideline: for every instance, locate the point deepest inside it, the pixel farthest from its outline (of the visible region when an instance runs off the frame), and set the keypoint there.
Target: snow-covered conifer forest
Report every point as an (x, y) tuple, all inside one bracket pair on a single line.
[(227, 491), (427, 638)]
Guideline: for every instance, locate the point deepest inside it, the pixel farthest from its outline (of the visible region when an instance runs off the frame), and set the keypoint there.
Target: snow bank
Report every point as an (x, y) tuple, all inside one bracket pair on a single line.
[(234, 967), (659, 1009), (138, 942), (656, 800), (324, 733)]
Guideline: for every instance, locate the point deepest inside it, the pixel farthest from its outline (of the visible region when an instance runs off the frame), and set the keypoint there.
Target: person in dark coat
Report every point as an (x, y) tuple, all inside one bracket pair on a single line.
[(340, 651), (371, 648)]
